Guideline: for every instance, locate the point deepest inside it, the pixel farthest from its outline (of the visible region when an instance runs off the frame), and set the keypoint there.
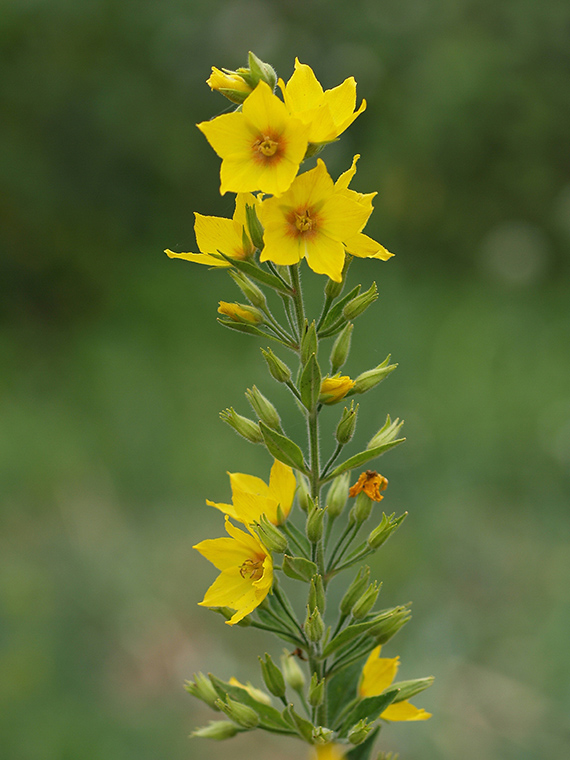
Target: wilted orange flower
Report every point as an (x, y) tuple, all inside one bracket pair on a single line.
[(371, 483)]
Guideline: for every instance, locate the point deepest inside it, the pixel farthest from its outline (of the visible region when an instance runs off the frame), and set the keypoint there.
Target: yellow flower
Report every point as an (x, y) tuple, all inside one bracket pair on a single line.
[(240, 313), (227, 80), (360, 244), (377, 675), (312, 220), (257, 694), (371, 483), (330, 751), (335, 388), (261, 146), (246, 572), (251, 497), (215, 234), (326, 113)]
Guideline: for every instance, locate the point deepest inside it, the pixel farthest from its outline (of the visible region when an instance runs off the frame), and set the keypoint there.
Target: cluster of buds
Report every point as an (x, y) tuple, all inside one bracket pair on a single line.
[(284, 215)]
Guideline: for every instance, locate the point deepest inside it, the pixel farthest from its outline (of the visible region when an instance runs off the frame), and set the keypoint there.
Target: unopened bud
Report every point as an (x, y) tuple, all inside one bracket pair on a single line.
[(242, 425), (263, 408), (366, 601), (303, 492), (217, 730), (355, 590), (201, 687), (270, 536), (360, 512), (272, 676), (314, 527), (250, 290), (254, 226), (341, 347), (337, 495), (309, 342), (230, 84), (278, 369), (314, 625), (261, 71), (382, 532), (322, 735), (390, 624), (294, 676), (335, 388), (244, 716), (317, 594), (386, 433), (372, 377), (316, 691), (239, 312), (360, 303), (347, 425), (359, 732)]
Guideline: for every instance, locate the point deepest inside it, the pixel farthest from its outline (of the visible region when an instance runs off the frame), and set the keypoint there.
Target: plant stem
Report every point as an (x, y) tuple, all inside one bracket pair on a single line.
[(298, 298), (313, 422), (328, 465)]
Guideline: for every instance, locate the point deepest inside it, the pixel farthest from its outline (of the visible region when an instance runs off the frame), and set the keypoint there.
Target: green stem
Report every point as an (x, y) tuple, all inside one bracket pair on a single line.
[(293, 389), (326, 306), (274, 271), (287, 610), (344, 534), (328, 465), (289, 315), (298, 298), (291, 535), (278, 330), (355, 529), (313, 422)]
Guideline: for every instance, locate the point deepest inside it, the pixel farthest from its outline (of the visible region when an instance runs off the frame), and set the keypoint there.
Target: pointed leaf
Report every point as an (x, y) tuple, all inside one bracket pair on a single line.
[(369, 708), (409, 689), (336, 312), (256, 273), (310, 383), (269, 717), (283, 448), (364, 456)]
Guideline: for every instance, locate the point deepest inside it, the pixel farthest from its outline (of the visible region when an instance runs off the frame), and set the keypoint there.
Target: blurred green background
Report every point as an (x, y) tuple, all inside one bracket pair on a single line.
[(113, 368)]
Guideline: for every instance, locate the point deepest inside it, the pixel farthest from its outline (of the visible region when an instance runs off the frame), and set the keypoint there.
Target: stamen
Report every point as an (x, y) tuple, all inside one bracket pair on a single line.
[(303, 221), (266, 146), (252, 569)]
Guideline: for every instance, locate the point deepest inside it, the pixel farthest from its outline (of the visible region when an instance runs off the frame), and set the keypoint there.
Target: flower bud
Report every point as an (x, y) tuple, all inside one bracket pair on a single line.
[(360, 512), (355, 590), (242, 425), (359, 732), (347, 425), (337, 495), (269, 535), (390, 624), (202, 688), (314, 527), (309, 342), (322, 735), (366, 601), (217, 729), (316, 691), (372, 377), (303, 492), (244, 716), (261, 71), (241, 313), (333, 289), (335, 388), (341, 347), (386, 434), (248, 288), (254, 226), (263, 408), (272, 676), (230, 84), (359, 304), (278, 369), (382, 532), (294, 676), (314, 625), (317, 594)]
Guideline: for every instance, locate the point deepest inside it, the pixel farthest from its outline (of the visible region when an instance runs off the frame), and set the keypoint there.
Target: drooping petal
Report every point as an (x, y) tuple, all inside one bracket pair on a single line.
[(377, 674), (199, 258), (214, 233), (404, 711), (282, 485), (366, 247)]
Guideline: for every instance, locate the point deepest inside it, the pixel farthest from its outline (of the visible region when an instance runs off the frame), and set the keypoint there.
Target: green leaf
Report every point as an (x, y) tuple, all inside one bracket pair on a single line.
[(409, 689), (341, 689), (352, 631), (299, 568), (369, 708), (364, 750), (256, 273), (304, 728), (269, 717), (336, 312), (242, 327), (310, 383), (364, 456), (283, 448)]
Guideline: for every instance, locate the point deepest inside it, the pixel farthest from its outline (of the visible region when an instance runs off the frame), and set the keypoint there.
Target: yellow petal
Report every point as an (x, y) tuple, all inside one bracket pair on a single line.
[(227, 509), (404, 711), (282, 485), (325, 256), (365, 247), (341, 100), (243, 199), (223, 553), (228, 590), (250, 544), (343, 217), (377, 674), (303, 90), (345, 178), (214, 233), (200, 258), (249, 483), (263, 110), (281, 248), (228, 134)]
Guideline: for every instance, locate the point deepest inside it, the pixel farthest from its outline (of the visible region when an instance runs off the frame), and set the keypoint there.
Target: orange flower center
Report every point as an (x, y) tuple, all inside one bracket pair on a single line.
[(252, 569), (302, 222), (267, 148)]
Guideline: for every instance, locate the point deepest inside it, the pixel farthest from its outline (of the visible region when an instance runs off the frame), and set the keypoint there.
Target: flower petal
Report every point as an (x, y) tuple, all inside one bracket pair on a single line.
[(325, 256), (214, 233), (282, 485), (228, 133), (200, 258), (404, 711), (223, 553), (365, 247), (377, 674)]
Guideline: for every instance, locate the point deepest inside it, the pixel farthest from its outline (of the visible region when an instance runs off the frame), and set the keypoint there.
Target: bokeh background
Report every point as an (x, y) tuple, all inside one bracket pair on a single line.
[(113, 369)]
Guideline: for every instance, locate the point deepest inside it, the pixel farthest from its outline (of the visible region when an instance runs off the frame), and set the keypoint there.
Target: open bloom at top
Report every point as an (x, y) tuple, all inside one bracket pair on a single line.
[(246, 572), (252, 497), (371, 483), (215, 234), (261, 146), (312, 220), (377, 675), (327, 113)]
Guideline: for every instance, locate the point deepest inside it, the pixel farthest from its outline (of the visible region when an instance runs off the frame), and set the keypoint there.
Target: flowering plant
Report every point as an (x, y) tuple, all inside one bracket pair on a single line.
[(337, 700)]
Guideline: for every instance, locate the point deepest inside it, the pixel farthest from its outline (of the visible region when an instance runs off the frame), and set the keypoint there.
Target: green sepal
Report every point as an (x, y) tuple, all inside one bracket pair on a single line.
[(369, 708), (310, 383), (299, 568), (364, 750), (258, 274), (352, 631), (364, 456), (336, 312), (409, 689), (283, 448), (242, 327), (269, 717)]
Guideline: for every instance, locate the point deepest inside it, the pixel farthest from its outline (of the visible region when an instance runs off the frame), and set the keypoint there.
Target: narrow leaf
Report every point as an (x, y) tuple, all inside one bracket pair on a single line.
[(283, 448), (310, 383), (364, 456), (369, 708), (259, 274), (270, 718)]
